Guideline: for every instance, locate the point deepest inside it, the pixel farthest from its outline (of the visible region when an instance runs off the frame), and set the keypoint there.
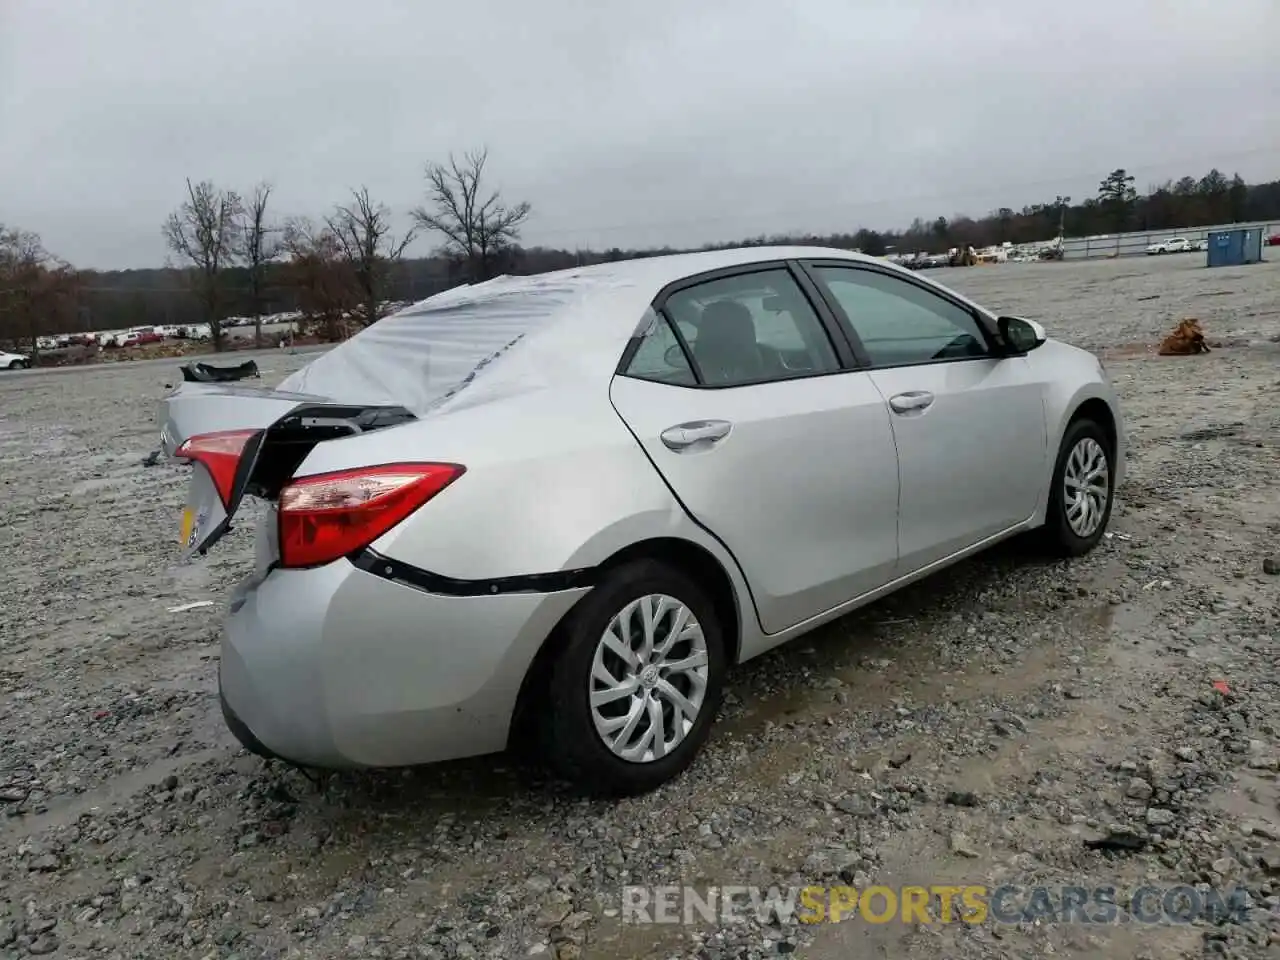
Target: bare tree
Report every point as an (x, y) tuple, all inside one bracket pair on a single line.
[(259, 243), (476, 228), (38, 291), (204, 232), (321, 277), (363, 232)]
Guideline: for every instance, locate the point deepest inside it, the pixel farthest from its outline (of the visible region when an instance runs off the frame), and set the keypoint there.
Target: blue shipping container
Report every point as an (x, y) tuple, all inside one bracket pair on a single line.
[(1234, 248)]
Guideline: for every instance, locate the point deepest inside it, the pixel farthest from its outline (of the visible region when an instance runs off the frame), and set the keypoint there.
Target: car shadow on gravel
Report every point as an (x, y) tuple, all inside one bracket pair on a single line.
[(792, 679)]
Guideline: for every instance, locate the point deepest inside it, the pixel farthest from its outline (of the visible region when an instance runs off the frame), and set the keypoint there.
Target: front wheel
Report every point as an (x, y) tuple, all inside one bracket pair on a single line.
[(18, 364), (1083, 490), (637, 684)]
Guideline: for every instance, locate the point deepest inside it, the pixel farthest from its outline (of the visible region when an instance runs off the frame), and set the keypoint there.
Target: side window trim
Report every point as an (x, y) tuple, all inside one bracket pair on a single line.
[(847, 349), (810, 268), (670, 321)]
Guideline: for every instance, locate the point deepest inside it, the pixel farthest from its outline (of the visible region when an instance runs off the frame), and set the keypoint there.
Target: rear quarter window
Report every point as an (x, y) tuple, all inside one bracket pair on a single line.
[(660, 357)]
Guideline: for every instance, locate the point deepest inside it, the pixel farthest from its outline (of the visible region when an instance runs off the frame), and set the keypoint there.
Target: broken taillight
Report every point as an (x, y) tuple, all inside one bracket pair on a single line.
[(220, 453), (331, 515)]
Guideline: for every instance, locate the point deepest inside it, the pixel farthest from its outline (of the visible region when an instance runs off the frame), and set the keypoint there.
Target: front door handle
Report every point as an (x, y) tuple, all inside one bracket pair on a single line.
[(686, 435), (912, 401)]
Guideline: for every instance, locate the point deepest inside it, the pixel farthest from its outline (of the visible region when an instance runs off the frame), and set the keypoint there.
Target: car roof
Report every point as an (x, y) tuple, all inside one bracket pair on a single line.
[(607, 301), (646, 275), (514, 333), (668, 268)]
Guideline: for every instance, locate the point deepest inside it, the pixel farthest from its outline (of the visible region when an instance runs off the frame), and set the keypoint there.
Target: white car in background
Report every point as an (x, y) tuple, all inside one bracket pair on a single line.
[(1172, 245), (14, 361)]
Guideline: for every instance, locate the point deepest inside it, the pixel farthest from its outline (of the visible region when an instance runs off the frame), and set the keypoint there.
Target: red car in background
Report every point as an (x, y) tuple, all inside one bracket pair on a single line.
[(1273, 240), (140, 335)]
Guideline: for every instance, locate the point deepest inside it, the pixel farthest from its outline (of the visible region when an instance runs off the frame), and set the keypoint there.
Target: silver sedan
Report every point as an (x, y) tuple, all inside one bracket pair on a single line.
[(568, 504)]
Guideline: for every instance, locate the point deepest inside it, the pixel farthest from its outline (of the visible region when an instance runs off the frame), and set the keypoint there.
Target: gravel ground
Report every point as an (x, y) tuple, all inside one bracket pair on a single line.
[(980, 727)]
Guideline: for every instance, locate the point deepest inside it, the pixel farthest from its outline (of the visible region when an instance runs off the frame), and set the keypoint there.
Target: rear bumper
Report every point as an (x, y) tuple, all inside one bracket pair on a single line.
[(241, 732), (337, 668)]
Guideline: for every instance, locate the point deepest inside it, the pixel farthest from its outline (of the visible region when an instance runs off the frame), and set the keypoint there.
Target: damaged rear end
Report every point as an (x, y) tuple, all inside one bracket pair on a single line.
[(248, 441)]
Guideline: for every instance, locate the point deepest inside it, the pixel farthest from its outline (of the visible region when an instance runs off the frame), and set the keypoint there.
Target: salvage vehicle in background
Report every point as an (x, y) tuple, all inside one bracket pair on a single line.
[(1172, 245), (559, 508), (14, 361), (198, 331), (144, 335)]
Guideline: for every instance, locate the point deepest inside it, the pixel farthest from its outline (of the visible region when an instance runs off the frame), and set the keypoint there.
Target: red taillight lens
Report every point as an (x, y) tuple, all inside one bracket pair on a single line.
[(331, 515), (220, 453)]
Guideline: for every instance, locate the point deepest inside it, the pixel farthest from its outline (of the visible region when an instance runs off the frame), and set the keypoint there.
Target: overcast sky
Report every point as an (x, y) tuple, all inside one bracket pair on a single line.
[(624, 122)]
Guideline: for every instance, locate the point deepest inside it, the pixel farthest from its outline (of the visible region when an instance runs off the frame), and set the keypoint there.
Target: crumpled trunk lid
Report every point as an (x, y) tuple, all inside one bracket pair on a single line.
[(280, 428)]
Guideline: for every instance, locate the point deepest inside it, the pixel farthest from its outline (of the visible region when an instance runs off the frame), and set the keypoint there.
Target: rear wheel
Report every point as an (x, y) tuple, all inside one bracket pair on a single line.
[(635, 688), (1083, 490)]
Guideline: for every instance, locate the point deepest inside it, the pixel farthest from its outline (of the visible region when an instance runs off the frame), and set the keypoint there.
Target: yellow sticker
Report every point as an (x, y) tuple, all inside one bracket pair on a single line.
[(188, 519)]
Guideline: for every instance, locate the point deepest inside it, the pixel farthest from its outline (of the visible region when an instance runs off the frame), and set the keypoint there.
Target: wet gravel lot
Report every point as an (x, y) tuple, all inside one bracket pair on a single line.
[(983, 727)]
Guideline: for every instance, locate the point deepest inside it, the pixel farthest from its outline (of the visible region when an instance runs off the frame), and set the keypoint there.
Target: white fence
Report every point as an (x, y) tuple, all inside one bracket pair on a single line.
[(1132, 244)]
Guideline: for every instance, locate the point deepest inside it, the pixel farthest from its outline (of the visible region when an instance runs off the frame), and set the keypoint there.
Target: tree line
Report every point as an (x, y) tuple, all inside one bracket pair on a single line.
[(339, 271), (234, 256)]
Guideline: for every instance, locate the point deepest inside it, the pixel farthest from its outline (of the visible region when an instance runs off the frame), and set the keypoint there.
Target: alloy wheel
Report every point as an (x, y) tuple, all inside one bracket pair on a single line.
[(1086, 486), (648, 679)]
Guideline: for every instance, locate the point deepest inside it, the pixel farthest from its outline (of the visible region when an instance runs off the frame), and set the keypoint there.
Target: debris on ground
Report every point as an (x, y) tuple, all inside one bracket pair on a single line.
[(1118, 840), (194, 605), (203, 372), (1186, 339)]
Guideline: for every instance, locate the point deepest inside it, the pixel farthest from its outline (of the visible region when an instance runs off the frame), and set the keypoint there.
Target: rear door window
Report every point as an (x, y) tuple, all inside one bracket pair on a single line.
[(751, 328)]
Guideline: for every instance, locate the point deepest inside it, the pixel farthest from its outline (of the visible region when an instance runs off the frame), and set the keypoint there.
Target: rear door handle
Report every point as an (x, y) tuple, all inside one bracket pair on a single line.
[(912, 401), (686, 435)]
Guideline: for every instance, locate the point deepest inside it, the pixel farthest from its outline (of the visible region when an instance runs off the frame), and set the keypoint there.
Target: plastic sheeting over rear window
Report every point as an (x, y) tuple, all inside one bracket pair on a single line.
[(424, 355)]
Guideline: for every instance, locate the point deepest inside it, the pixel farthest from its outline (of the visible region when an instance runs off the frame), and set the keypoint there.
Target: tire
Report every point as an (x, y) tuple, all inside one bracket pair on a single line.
[(1059, 536), (571, 744), (17, 364)]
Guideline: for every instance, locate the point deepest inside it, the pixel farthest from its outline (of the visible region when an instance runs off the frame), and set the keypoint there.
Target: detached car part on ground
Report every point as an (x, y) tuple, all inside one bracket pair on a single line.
[(200, 372), (557, 509)]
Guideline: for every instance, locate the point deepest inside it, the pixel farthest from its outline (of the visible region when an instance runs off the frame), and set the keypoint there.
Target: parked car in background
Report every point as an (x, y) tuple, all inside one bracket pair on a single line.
[(1172, 245), (14, 361), (199, 331), (565, 505), (144, 335), (1273, 240)]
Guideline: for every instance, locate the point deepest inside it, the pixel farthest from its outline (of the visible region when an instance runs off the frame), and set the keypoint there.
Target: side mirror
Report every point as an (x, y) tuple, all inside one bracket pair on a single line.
[(1021, 335), (674, 356)]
